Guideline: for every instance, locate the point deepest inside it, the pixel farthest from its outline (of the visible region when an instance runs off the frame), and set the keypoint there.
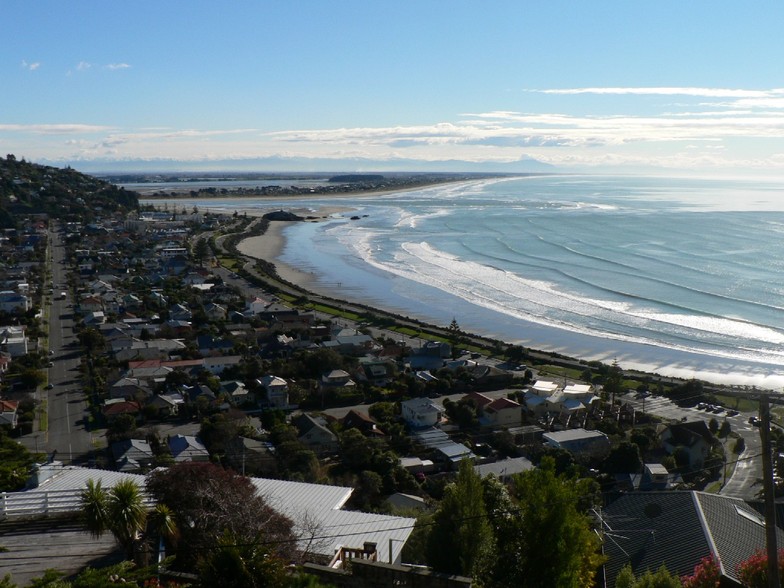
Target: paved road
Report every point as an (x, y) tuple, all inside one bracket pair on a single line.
[(67, 437)]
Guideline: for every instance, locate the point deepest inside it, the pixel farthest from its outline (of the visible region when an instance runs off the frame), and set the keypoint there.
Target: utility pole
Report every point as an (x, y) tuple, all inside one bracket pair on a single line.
[(767, 484)]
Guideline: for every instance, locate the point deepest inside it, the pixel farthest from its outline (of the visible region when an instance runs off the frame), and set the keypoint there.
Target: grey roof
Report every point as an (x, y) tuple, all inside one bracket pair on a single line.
[(678, 529), (323, 504), (505, 467), (306, 504)]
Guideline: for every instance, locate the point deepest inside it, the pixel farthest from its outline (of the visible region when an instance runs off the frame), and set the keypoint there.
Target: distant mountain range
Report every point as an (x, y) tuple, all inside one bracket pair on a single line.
[(309, 165)]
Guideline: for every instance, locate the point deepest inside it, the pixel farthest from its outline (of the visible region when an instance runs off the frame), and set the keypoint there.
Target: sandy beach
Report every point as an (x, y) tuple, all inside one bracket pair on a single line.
[(268, 247)]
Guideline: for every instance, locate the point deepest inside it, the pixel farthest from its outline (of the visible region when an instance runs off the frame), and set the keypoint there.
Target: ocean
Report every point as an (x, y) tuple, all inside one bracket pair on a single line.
[(681, 277)]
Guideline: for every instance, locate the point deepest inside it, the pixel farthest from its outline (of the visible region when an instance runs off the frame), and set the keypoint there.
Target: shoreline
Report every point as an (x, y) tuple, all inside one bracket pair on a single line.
[(665, 362)]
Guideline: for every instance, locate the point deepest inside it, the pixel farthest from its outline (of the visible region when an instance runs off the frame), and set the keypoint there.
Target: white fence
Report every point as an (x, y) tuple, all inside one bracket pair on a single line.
[(35, 503)]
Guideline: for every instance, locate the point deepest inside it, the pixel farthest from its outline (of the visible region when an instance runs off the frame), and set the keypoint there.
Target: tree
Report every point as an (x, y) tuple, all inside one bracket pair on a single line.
[(460, 541), (706, 575), (753, 572), (207, 501), (548, 512), (713, 425), (661, 579), (120, 510), (238, 563), (15, 463), (724, 429), (623, 459)]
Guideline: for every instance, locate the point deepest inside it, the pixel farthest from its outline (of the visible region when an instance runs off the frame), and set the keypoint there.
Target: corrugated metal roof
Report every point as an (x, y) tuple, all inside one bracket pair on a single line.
[(318, 506), (314, 508)]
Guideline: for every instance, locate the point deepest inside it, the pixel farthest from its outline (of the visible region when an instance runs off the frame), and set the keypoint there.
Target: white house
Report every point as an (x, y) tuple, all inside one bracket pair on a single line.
[(277, 390), (421, 412)]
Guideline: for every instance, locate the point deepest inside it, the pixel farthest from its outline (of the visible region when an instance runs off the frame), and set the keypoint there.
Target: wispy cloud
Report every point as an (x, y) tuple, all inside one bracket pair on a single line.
[(116, 66), (670, 91), (54, 129), (83, 65), (31, 66)]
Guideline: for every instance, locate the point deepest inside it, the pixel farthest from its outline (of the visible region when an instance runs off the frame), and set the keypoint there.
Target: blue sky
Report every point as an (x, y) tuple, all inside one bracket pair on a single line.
[(676, 87)]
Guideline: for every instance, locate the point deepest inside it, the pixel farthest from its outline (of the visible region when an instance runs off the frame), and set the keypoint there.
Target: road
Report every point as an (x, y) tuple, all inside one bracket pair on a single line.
[(66, 404)]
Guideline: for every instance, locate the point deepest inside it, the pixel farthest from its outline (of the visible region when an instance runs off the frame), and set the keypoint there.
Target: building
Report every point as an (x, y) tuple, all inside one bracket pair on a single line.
[(679, 529), (579, 442), (421, 412)]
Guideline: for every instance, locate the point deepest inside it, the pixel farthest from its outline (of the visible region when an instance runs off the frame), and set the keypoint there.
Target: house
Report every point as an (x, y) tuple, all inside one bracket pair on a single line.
[(112, 409), (215, 312), (187, 448), (237, 391), (166, 405), (504, 469), (216, 365), (256, 306), (179, 312), (654, 477), (209, 345), (407, 502), (430, 356), (693, 436), (421, 412), (13, 340), (336, 379), (12, 302), (277, 391), (443, 449), (8, 413), (313, 433), (366, 425), (502, 412), (579, 442), (251, 457), (132, 455), (130, 388), (679, 529)]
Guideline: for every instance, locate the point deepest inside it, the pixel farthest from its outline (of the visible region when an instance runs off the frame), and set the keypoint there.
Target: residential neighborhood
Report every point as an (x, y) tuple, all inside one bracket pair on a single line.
[(134, 343)]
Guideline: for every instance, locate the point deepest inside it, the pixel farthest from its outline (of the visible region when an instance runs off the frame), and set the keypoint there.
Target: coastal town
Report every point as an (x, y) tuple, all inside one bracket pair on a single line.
[(144, 351)]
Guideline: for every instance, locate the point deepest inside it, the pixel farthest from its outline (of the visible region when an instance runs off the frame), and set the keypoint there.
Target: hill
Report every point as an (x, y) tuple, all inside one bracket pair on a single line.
[(28, 188)]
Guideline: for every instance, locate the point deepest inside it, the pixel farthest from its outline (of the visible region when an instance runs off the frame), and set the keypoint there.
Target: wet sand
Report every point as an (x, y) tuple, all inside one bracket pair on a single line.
[(269, 247)]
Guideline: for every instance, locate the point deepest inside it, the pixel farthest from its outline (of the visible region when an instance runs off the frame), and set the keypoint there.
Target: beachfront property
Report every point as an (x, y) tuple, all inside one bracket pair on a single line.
[(549, 399)]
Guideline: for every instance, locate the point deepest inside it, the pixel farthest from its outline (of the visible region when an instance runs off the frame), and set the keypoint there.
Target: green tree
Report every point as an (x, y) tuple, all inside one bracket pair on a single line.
[(234, 564), (548, 506), (661, 579), (120, 510), (724, 429), (15, 463), (461, 539)]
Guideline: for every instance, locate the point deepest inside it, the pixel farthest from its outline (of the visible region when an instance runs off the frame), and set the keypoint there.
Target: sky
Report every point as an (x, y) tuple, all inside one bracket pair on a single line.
[(605, 86)]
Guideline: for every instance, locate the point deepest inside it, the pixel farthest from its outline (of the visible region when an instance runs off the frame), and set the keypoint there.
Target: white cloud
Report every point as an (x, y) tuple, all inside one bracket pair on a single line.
[(83, 65), (53, 129), (116, 66), (31, 66), (670, 91)]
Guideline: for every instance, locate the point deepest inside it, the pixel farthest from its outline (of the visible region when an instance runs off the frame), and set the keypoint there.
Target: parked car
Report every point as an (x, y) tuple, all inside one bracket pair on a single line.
[(754, 421)]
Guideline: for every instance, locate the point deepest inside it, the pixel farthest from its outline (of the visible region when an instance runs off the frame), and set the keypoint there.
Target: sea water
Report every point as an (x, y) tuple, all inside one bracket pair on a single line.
[(681, 277)]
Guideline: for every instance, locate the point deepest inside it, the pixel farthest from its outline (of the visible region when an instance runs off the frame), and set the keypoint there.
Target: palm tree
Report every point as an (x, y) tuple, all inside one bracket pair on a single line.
[(120, 510)]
